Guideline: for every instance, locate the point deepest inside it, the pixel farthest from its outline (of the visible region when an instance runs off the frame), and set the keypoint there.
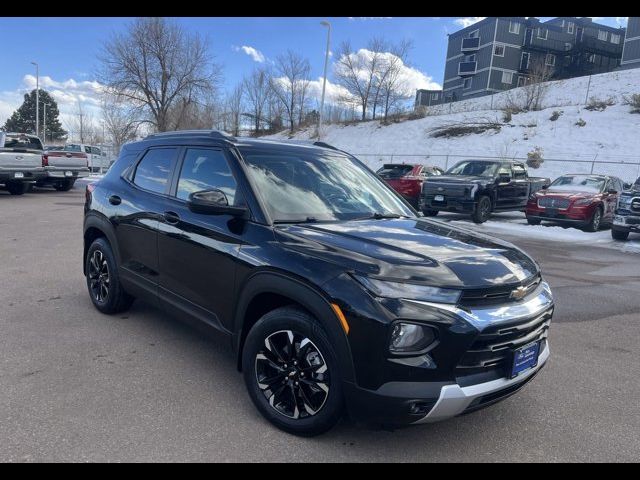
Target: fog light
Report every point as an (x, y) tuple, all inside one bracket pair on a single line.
[(410, 337), (419, 408)]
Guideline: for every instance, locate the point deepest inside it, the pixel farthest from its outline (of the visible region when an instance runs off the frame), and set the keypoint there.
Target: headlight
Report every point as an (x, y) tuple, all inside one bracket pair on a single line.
[(583, 202), (410, 337), (410, 291)]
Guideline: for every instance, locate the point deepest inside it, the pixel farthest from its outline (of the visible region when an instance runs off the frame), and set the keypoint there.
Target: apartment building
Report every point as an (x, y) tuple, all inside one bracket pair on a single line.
[(499, 53), (631, 47)]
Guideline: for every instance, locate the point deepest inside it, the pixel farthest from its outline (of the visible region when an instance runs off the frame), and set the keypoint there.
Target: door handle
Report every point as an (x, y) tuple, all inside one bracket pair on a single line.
[(115, 200), (171, 217)]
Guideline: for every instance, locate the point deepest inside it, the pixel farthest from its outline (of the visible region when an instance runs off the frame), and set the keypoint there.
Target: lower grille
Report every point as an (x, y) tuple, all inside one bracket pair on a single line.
[(550, 202), (493, 347)]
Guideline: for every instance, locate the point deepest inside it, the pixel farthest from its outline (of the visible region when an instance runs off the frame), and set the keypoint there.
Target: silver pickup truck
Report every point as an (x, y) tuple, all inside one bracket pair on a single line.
[(63, 168), (20, 161)]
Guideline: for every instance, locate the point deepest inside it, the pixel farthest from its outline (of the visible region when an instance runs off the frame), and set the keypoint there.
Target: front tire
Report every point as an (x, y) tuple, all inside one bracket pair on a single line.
[(595, 222), (291, 372), (534, 221), (103, 282), (17, 188), (621, 235), (482, 211)]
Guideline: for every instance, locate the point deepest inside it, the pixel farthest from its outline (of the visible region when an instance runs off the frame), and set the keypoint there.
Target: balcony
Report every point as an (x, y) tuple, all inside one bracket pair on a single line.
[(470, 44), (592, 44), (467, 68), (549, 45)]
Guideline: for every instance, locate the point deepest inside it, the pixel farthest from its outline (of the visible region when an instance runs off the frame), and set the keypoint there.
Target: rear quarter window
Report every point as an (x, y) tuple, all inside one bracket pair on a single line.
[(25, 142), (153, 171)]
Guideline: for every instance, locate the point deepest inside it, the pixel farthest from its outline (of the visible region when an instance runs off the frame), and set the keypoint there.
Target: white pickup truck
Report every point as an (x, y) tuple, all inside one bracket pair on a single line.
[(63, 168), (20, 161), (97, 159)]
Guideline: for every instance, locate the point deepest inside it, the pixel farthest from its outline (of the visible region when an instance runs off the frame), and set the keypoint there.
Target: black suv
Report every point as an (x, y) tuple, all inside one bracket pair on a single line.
[(333, 293)]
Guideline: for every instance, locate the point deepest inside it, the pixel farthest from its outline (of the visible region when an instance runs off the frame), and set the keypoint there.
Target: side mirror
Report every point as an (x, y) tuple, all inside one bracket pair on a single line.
[(544, 187), (213, 202), (504, 178)]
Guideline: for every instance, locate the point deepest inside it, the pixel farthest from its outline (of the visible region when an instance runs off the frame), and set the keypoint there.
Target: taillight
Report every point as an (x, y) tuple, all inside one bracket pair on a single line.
[(87, 193), (45, 160)]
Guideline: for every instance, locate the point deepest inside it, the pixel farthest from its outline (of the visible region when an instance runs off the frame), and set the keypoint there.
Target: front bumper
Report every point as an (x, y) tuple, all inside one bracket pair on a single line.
[(413, 402), (451, 204), (626, 223)]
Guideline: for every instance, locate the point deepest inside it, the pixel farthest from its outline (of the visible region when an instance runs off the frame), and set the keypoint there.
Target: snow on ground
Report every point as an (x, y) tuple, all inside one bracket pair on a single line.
[(515, 225), (612, 135)]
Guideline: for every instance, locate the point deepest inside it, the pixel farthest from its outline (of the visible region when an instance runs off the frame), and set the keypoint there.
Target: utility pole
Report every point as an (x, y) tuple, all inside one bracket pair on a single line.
[(44, 122), (81, 128), (37, 99), (324, 81)]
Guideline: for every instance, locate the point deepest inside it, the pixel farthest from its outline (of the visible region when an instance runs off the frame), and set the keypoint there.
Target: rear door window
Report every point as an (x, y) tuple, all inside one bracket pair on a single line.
[(154, 170)]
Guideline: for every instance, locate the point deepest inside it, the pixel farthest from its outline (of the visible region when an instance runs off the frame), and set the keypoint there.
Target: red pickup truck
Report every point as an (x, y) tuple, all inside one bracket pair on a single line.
[(407, 179)]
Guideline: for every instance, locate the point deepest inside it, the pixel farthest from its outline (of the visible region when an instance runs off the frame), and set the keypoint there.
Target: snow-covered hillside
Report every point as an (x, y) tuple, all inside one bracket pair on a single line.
[(612, 135)]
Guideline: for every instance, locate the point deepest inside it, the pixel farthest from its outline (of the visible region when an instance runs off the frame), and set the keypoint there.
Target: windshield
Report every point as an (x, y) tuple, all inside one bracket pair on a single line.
[(22, 142), (475, 168), (298, 187), (394, 171), (578, 183)]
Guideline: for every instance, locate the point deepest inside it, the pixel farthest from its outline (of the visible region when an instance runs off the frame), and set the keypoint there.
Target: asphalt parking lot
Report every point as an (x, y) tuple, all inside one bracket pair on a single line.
[(76, 385)]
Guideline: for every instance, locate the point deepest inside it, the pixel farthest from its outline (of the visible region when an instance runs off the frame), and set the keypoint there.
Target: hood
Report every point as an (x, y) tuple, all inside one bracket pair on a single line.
[(459, 179), (416, 250)]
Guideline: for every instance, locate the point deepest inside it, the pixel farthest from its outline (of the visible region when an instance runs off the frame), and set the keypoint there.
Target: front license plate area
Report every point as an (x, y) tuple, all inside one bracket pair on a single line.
[(438, 198), (18, 175), (618, 220), (551, 212), (68, 174), (525, 358)]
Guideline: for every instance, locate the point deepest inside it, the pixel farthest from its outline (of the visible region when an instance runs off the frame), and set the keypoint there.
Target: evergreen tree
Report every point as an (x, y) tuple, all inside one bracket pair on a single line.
[(23, 120)]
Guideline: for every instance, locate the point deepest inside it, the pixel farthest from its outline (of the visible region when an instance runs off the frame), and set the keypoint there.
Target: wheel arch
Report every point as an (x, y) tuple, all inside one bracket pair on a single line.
[(97, 227), (265, 291)]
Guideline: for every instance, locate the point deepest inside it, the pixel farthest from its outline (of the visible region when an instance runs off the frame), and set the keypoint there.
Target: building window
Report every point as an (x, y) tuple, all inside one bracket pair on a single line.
[(470, 58), (466, 83), (514, 27), (615, 38), (434, 96), (474, 34), (602, 35), (498, 50), (507, 77), (524, 61), (550, 60), (522, 81), (591, 58), (542, 33), (570, 27)]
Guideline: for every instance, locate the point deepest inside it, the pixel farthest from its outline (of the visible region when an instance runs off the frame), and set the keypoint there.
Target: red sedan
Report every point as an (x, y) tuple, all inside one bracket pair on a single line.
[(407, 179), (586, 201)]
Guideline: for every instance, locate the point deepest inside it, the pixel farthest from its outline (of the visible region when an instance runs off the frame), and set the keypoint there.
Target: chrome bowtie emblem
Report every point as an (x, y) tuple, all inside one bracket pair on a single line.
[(440, 189), (519, 293)]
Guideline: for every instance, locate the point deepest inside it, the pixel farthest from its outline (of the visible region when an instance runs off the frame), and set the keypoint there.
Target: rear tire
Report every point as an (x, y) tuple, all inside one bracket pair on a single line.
[(621, 235), (595, 222), (17, 188), (534, 221), (103, 282), (482, 211), (64, 186), (294, 382)]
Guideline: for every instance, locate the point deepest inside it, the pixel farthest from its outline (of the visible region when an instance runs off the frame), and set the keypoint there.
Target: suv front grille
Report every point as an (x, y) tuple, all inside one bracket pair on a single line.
[(497, 295), (493, 347), (551, 202)]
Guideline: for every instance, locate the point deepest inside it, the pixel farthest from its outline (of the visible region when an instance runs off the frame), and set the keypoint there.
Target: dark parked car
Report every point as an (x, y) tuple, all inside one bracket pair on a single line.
[(627, 215), (480, 187), (407, 179), (332, 293), (586, 201)]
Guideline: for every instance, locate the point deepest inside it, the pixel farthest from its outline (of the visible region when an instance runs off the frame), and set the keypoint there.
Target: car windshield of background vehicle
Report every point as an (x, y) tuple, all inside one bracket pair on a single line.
[(577, 183), (394, 171), (476, 169), (72, 148), (313, 187), (22, 142)]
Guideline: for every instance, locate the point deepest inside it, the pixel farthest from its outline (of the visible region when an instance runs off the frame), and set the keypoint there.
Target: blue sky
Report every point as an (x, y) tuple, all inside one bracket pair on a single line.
[(66, 48)]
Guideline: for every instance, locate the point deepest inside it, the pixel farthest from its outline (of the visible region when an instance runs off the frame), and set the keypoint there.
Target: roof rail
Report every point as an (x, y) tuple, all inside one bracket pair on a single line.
[(178, 133), (326, 145)]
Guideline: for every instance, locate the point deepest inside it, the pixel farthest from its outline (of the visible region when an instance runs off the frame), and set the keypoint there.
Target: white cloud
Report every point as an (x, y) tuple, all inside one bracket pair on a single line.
[(622, 21), (254, 53), (467, 21)]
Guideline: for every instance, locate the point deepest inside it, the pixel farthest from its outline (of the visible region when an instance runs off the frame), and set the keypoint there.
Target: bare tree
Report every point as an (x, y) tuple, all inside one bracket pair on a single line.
[(358, 72), (289, 84), (537, 84), (233, 111), (156, 64), (257, 89), (83, 126), (393, 85), (121, 120)]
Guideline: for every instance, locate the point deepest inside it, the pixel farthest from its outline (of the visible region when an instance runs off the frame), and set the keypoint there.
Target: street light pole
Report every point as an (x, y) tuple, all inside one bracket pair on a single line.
[(324, 81), (44, 122), (37, 98)]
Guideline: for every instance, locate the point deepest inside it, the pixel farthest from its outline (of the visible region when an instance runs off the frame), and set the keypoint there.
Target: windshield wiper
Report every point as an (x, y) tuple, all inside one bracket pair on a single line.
[(300, 220), (380, 216)]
